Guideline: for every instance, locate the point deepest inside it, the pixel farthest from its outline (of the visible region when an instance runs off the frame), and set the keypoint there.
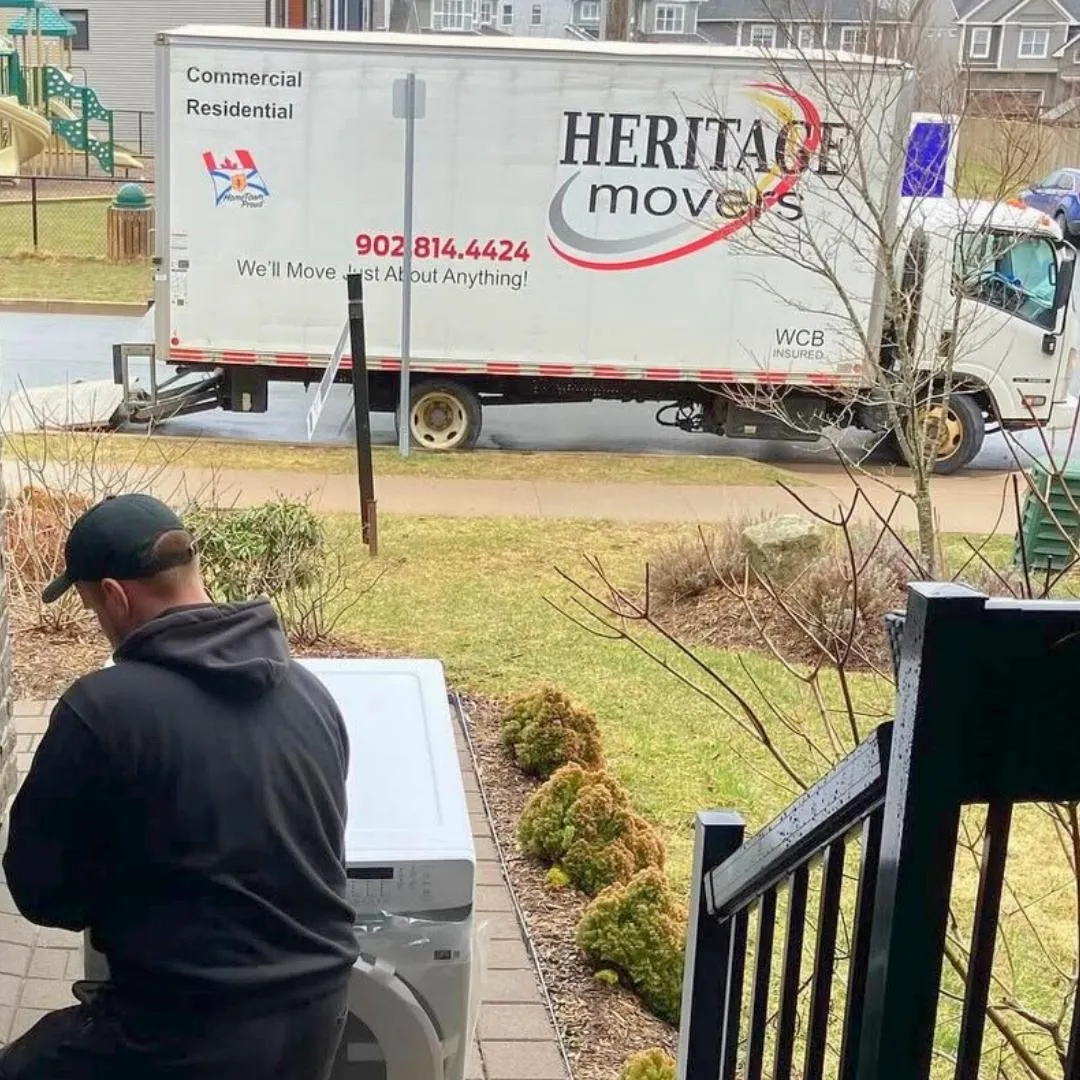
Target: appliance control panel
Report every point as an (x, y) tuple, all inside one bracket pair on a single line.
[(411, 888)]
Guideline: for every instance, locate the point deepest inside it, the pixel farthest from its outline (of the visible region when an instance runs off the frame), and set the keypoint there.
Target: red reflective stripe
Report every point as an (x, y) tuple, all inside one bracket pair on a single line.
[(513, 368)]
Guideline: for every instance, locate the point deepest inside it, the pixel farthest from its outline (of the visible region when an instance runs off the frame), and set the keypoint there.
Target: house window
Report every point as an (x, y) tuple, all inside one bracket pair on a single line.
[(536, 18), (851, 39), (979, 46), (763, 36), (589, 11), (451, 15), (80, 19), (807, 38), (506, 15), (670, 18), (1034, 44), (487, 12)]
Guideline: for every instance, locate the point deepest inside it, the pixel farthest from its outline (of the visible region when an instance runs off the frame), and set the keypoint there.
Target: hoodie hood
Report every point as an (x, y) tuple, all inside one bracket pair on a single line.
[(233, 651)]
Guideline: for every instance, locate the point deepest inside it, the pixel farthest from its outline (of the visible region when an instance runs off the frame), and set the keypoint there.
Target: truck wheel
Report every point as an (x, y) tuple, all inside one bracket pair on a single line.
[(445, 415), (961, 429)]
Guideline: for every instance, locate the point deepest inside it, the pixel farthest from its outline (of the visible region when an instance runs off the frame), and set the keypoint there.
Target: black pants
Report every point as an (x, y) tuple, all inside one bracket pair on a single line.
[(102, 1039)]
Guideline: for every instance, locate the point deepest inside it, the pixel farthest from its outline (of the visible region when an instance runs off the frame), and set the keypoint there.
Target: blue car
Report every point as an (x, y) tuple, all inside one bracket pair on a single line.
[(1059, 196)]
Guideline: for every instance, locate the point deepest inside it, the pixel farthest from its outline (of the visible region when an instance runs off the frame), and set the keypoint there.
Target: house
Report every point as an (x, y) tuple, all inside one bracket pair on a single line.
[(1021, 57), (856, 26), (113, 50)]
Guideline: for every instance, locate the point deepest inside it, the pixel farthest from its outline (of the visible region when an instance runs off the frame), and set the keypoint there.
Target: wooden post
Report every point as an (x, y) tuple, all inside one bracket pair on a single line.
[(128, 234), (128, 226)]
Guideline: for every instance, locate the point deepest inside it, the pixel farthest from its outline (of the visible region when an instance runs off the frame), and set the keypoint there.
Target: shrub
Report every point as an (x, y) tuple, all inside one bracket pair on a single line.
[(260, 551), (639, 928), (279, 550), (546, 730), (655, 1064), (581, 820), (689, 565), (36, 523)]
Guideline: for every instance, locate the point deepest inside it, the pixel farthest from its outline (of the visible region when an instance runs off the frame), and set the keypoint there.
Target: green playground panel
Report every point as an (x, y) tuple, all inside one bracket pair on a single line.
[(76, 133)]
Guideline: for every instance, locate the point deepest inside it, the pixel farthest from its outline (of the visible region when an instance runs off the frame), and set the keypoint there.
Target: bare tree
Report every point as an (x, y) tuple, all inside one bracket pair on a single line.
[(820, 622), (907, 287)]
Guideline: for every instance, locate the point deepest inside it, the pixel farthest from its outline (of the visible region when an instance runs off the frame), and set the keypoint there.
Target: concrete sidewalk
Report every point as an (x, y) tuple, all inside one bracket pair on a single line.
[(969, 503), (515, 1039)]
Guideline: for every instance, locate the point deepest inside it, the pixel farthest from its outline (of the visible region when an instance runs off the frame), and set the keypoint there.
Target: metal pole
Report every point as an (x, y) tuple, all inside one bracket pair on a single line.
[(34, 224), (405, 400), (362, 413)]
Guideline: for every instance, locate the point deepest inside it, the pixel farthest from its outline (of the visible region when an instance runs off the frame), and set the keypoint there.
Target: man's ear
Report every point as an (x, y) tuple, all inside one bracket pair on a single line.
[(113, 594)]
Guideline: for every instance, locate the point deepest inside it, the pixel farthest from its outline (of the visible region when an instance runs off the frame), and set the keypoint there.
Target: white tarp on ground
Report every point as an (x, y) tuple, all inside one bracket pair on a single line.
[(72, 406)]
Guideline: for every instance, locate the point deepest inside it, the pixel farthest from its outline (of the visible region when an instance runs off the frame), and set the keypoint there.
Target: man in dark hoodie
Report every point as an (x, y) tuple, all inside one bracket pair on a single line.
[(187, 807)]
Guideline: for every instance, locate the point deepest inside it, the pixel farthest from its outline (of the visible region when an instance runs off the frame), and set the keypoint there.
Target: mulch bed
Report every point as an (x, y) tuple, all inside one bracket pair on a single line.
[(600, 1026)]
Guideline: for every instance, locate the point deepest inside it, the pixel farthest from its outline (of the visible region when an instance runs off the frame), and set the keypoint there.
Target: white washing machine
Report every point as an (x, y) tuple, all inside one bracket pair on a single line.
[(411, 867)]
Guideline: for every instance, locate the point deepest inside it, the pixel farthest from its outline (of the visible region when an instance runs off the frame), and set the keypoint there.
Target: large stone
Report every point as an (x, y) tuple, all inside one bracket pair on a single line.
[(780, 548)]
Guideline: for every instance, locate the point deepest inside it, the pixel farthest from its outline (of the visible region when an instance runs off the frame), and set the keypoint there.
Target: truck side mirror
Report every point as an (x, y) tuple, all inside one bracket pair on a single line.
[(1066, 271)]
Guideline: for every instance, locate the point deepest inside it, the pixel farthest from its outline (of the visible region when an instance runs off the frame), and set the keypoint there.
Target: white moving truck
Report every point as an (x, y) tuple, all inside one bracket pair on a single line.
[(587, 224)]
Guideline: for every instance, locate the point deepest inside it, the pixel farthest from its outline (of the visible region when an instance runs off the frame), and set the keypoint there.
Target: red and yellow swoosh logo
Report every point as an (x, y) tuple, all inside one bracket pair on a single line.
[(782, 102)]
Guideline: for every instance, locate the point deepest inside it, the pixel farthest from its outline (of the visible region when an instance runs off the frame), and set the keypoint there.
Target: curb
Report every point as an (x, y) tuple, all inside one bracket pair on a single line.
[(73, 307)]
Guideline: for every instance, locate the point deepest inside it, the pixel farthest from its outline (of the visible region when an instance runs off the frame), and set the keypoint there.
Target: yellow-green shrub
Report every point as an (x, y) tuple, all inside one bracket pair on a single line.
[(655, 1064), (639, 928), (581, 820), (546, 730)]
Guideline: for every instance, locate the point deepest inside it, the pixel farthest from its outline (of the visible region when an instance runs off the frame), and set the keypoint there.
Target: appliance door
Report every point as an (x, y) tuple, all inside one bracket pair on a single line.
[(389, 1034)]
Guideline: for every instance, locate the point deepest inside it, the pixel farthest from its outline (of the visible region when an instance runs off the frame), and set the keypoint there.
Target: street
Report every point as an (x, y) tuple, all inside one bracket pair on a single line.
[(49, 350)]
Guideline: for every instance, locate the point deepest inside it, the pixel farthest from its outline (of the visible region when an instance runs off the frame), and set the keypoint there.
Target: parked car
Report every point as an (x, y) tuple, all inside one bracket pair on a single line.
[(1059, 196)]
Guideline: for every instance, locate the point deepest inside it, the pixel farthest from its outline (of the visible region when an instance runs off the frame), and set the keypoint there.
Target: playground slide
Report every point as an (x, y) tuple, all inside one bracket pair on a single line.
[(31, 134), (121, 158)]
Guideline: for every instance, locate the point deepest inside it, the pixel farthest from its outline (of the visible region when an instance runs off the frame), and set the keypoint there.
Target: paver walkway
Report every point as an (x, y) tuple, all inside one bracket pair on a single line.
[(515, 1037), (968, 503)]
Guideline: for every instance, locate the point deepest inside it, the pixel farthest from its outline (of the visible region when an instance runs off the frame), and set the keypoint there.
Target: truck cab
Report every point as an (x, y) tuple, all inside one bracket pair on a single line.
[(991, 288)]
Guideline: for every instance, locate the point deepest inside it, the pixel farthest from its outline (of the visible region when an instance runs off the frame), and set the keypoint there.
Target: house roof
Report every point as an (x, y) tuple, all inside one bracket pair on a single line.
[(837, 11), (966, 8)]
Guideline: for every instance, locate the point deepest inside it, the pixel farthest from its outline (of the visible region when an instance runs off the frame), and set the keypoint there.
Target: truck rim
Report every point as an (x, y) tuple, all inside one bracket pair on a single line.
[(949, 430), (438, 421)]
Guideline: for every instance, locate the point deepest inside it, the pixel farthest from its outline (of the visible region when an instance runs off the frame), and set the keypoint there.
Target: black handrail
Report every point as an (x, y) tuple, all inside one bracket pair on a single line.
[(828, 811)]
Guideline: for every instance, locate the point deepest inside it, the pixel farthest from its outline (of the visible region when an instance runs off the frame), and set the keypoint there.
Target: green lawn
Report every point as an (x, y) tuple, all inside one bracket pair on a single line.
[(69, 261), (474, 593), (155, 451)]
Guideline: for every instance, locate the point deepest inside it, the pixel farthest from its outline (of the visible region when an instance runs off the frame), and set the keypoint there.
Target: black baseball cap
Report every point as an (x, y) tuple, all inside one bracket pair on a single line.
[(115, 539)]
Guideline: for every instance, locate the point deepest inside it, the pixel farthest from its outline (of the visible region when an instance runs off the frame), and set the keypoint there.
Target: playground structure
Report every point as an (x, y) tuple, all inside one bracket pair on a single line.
[(49, 125)]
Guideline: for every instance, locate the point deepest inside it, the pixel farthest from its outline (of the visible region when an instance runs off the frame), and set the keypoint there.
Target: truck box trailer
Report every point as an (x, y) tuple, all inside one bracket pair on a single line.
[(587, 225)]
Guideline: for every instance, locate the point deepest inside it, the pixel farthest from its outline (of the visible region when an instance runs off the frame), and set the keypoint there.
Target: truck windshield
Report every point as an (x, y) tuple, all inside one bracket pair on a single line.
[(1015, 273)]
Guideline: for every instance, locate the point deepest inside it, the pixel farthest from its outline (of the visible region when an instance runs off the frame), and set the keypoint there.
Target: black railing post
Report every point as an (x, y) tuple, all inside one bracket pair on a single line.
[(718, 835), (942, 645)]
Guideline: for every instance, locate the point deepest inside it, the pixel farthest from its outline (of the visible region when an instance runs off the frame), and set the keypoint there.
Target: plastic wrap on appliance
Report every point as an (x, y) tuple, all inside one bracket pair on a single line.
[(480, 953), (428, 942)]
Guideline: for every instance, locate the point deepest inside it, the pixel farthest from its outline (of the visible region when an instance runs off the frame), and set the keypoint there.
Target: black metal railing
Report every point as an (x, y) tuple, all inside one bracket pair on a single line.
[(986, 716), (814, 833)]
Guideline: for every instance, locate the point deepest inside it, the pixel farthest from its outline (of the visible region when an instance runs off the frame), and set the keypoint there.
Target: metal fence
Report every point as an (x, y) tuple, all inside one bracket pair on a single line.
[(986, 716), (133, 129), (62, 216)]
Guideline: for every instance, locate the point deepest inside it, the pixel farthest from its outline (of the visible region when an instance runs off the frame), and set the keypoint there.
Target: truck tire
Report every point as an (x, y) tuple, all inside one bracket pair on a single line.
[(962, 434), (445, 415)]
